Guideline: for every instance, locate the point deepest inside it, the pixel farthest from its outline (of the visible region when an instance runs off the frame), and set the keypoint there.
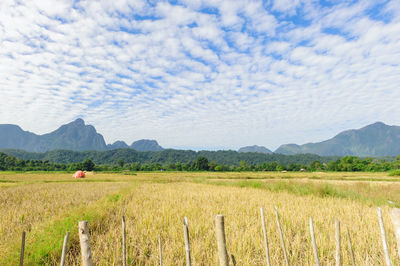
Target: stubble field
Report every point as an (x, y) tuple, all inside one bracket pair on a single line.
[(47, 205)]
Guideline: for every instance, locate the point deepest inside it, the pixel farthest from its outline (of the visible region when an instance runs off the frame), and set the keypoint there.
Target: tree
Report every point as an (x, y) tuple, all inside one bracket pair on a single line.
[(134, 166), (121, 162), (201, 164), (243, 165), (88, 165), (212, 165), (273, 166)]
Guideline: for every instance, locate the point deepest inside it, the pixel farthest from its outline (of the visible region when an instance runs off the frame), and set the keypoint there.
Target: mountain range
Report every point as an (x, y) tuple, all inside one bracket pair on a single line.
[(255, 148), (75, 136), (377, 139)]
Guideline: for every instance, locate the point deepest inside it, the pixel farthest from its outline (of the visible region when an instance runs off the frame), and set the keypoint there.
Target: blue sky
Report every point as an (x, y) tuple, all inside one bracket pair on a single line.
[(201, 74)]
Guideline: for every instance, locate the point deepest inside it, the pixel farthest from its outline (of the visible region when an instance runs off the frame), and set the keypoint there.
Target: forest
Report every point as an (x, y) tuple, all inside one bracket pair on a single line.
[(302, 162)]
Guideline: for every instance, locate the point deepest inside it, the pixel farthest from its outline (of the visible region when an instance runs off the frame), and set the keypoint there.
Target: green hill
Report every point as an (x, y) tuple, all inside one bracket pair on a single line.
[(373, 140)]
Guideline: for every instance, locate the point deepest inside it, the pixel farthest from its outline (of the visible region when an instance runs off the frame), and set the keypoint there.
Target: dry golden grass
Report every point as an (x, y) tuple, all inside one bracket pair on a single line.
[(33, 177), (153, 209), (27, 207), (157, 202)]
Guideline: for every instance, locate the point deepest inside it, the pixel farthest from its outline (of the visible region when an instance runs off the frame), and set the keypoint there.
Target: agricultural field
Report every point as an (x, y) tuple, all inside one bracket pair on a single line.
[(47, 205)]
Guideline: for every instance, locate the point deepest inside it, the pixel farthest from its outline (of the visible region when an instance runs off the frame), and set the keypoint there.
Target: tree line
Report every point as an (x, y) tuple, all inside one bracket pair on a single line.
[(201, 163), (166, 157), (11, 163)]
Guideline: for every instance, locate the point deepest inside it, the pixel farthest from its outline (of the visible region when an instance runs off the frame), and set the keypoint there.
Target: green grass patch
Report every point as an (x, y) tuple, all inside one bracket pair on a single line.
[(394, 173), (80, 180), (7, 181), (129, 173), (114, 197), (306, 189), (253, 184)]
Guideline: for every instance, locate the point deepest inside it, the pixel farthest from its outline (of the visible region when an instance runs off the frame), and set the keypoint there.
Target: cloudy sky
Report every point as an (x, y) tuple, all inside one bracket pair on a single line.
[(201, 74)]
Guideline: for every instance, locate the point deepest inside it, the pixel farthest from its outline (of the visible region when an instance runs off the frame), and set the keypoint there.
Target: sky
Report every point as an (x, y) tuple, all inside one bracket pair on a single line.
[(201, 74)]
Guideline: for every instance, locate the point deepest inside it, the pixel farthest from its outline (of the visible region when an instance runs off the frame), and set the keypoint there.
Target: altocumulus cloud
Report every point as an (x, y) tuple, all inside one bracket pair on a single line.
[(206, 74)]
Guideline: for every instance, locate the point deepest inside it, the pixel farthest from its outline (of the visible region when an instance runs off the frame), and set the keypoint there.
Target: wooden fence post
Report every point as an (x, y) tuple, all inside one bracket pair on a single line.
[(84, 239), (281, 235), (337, 240), (353, 261), (395, 217), (233, 260), (64, 249), (21, 257), (221, 240), (383, 235), (314, 243), (160, 249), (187, 242), (124, 257), (265, 236)]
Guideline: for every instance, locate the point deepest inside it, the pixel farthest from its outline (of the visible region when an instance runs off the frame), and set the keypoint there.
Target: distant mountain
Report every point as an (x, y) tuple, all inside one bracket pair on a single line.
[(289, 149), (255, 148), (13, 137), (377, 139), (146, 145), (75, 136), (117, 145)]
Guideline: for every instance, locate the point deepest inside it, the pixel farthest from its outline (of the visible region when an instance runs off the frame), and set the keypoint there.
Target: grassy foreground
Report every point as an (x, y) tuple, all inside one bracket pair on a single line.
[(48, 205)]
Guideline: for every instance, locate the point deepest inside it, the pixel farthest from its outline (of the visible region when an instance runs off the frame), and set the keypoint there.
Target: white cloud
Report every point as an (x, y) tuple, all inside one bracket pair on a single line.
[(230, 76), (286, 6), (50, 8)]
